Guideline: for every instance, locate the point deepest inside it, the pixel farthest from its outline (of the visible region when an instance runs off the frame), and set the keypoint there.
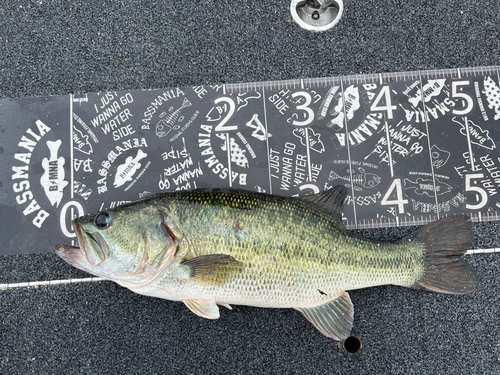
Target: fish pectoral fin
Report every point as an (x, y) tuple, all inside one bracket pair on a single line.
[(214, 269), (331, 200), (334, 318), (206, 308)]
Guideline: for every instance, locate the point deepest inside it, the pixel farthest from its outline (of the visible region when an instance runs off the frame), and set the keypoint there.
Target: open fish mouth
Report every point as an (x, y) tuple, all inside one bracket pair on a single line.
[(74, 255), (93, 250)]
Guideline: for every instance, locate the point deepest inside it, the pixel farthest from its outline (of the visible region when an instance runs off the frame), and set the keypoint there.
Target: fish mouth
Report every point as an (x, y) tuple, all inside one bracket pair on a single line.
[(73, 255), (92, 251)]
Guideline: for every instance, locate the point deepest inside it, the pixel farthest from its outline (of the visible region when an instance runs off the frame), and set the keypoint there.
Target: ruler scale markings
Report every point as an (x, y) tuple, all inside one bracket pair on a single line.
[(471, 132), (469, 144), (267, 139), (389, 151), (498, 73), (389, 146), (228, 152), (349, 155), (308, 153), (429, 145), (71, 156)]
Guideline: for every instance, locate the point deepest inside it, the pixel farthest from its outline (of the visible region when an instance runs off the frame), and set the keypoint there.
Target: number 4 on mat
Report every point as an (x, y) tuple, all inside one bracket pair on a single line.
[(394, 195)]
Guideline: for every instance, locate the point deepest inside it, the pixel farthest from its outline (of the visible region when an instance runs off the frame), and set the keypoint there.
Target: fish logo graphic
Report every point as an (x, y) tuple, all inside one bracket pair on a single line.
[(315, 143), (431, 89), (439, 157), (125, 172), (81, 142), (330, 96), (360, 179), (425, 186), (52, 180), (165, 125), (477, 135), (350, 101)]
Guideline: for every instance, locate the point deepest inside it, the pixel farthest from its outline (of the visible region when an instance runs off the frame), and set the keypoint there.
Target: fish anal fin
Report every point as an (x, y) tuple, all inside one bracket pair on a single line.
[(206, 308), (334, 318), (214, 269), (331, 200)]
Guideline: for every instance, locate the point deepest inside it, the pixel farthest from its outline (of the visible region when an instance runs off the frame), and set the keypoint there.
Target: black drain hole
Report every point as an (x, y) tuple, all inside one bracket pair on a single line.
[(352, 344), (315, 15)]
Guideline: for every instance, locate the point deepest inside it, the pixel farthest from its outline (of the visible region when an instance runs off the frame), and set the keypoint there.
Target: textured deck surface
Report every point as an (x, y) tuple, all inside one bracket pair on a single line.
[(60, 47)]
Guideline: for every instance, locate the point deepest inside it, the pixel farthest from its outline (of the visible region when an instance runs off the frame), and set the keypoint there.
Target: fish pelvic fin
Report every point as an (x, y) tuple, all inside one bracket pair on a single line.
[(334, 318), (226, 305), (206, 308), (214, 269), (445, 241)]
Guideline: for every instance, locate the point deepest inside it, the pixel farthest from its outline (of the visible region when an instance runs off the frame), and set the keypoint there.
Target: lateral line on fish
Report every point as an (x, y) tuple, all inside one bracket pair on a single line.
[(95, 279), (36, 284)]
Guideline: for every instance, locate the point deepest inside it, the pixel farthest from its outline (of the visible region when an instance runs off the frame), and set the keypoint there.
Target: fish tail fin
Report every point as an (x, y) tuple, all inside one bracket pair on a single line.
[(445, 241)]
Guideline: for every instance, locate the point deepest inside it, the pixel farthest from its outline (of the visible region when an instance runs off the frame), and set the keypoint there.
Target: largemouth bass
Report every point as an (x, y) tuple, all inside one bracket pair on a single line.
[(212, 247)]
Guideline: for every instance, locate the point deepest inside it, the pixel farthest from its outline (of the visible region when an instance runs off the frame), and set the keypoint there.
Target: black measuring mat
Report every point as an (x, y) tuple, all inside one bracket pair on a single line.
[(411, 147)]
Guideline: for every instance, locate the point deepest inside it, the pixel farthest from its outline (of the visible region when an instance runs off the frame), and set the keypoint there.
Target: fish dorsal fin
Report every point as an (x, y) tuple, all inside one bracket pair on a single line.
[(334, 318), (215, 269), (206, 308), (331, 200)]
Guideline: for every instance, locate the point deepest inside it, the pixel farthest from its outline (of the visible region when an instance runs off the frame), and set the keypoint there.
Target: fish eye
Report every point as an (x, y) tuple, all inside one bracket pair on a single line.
[(102, 220)]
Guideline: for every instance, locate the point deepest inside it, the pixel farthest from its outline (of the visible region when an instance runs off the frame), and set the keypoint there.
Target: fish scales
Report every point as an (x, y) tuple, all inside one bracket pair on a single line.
[(223, 246), (295, 249)]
